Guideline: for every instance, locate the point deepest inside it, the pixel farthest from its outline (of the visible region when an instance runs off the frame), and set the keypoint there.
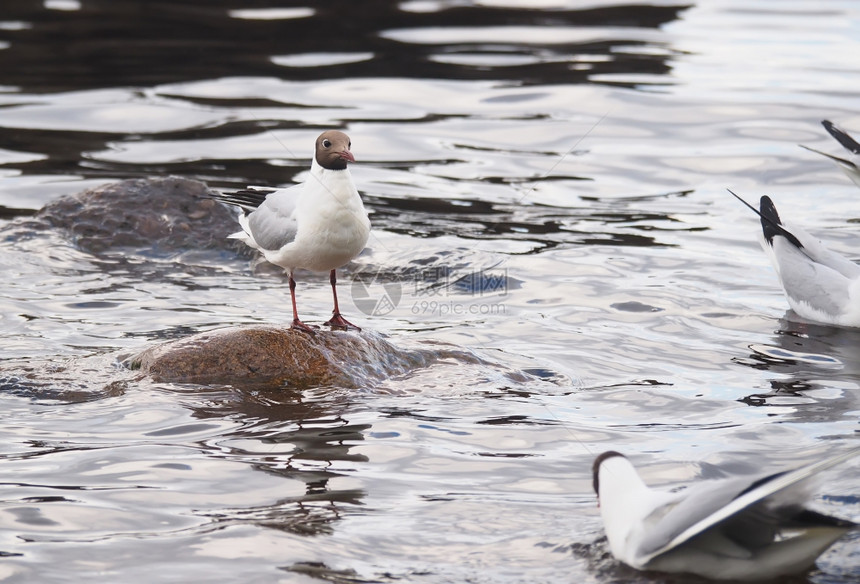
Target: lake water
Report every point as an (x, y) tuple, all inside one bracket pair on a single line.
[(547, 181)]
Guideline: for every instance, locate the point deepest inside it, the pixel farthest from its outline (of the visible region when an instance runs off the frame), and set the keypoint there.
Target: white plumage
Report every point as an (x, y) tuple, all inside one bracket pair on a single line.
[(318, 225), (820, 285), (739, 528)]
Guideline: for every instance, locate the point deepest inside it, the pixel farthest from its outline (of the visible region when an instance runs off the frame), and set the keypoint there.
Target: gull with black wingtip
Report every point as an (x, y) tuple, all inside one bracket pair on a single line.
[(318, 225), (850, 165), (738, 528), (820, 285)]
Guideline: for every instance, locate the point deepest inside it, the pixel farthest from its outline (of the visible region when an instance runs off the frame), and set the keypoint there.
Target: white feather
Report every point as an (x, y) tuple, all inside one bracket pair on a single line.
[(819, 284), (737, 528)]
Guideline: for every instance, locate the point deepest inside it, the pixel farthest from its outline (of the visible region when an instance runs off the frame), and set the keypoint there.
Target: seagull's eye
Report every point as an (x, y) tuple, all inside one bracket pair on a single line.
[(349, 144), (326, 143)]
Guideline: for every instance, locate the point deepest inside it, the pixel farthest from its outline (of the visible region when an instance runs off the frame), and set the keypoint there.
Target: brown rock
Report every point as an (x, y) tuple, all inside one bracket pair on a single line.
[(278, 356)]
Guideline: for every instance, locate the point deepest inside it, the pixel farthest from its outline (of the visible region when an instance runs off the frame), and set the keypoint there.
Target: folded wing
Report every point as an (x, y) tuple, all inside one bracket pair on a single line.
[(756, 509)]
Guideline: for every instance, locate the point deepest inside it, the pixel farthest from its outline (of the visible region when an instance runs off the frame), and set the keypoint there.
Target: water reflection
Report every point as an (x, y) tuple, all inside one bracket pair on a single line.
[(291, 435), (492, 136), (112, 44), (613, 222), (102, 57), (817, 366)]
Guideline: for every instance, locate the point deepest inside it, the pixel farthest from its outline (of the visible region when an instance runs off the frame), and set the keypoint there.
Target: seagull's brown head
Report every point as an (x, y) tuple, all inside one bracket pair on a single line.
[(332, 150)]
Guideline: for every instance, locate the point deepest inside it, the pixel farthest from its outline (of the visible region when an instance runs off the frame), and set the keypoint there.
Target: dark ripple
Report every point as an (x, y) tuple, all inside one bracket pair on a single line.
[(600, 223), (313, 514), (117, 44), (121, 44)]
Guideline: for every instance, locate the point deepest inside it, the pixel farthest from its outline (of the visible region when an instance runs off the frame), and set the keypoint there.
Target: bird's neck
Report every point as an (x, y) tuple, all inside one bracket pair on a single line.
[(623, 497), (338, 183), (318, 170)]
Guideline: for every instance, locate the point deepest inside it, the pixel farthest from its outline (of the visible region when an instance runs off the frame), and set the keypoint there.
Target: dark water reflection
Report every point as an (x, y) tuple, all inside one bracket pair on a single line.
[(116, 44), (818, 367), (547, 186), (140, 45), (543, 226), (311, 452)]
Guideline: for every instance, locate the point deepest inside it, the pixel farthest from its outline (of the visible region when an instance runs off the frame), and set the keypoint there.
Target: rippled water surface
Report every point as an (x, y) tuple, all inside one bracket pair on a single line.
[(547, 186)]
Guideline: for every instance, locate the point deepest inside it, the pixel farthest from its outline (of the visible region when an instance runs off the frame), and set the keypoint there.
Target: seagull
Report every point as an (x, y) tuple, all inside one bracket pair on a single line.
[(738, 528), (820, 285), (851, 165), (318, 225)]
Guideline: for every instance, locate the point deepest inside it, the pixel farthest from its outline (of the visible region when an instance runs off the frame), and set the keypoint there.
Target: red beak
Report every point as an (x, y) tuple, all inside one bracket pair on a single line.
[(347, 155)]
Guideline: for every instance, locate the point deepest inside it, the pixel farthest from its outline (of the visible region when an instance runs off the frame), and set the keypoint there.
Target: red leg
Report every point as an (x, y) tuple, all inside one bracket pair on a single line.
[(297, 324), (338, 321)]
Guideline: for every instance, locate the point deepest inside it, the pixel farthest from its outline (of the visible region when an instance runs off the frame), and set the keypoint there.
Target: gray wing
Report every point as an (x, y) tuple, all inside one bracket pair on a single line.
[(818, 253), (841, 136), (846, 141), (706, 507), (694, 506), (817, 285), (273, 224), (813, 274), (848, 165)]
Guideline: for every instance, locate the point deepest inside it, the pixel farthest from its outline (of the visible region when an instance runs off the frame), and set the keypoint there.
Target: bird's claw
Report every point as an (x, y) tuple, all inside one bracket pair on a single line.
[(299, 325), (339, 322)]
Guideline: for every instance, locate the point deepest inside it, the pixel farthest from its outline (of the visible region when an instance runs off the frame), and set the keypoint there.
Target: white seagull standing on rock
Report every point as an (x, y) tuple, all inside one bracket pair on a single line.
[(318, 225), (740, 528), (820, 285), (851, 165)]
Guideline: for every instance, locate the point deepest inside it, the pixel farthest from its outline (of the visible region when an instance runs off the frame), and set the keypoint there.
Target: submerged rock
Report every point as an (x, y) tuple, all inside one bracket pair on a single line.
[(170, 213), (278, 356)]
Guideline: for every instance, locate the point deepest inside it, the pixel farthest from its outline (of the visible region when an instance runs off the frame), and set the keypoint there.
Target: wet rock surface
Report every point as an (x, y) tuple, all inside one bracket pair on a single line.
[(167, 214), (278, 357), (255, 358)]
